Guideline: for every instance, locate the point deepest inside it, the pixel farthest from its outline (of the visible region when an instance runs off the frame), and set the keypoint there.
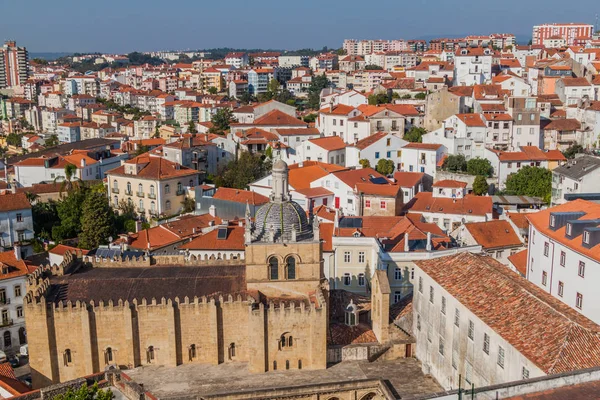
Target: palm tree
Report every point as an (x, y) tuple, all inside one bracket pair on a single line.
[(31, 197), (67, 183)]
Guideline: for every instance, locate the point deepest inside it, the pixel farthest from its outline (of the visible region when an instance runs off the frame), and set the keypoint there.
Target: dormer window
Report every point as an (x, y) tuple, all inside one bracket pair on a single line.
[(569, 228), (552, 221), (586, 237), (351, 314)]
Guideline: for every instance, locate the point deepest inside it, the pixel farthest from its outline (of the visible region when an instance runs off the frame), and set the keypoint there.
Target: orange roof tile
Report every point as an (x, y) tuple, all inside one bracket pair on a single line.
[(473, 120), (300, 177), (493, 234), (15, 268), (277, 117), (564, 339), (329, 143), (154, 168), (240, 196), (468, 205), (408, 179), (449, 183), (519, 260), (423, 146), (352, 177), (235, 240)]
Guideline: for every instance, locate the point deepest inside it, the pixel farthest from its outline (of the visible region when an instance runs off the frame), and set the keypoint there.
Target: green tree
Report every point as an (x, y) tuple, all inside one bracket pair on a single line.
[(246, 98), (45, 216), (52, 141), (310, 118), (269, 152), (192, 127), (572, 150), (273, 86), (421, 96), (69, 214), (480, 166), (385, 167), (407, 96), (318, 83), (414, 134), (213, 90), (455, 163), (364, 163), (221, 120), (96, 221), (372, 67), (14, 139), (480, 185), (380, 98), (67, 182), (530, 181), (243, 171), (85, 393), (340, 52), (141, 150), (188, 204)]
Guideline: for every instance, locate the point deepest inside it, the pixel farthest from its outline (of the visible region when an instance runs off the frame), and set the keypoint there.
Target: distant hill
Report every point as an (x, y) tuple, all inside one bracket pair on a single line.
[(47, 56)]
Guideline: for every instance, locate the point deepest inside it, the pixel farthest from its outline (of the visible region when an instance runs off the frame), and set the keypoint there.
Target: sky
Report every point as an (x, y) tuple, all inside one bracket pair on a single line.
[(121, 26)]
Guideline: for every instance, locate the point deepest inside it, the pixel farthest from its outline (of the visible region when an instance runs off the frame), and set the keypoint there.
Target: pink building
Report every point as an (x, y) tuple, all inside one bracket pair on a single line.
[(569, 32)]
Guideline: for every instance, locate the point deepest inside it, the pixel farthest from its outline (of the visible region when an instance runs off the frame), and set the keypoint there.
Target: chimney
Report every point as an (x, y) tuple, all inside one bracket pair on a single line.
[(138, 226), (212, 210), (406, 247), (428, 248), (83, 163), (300, 164), (17, 249), (241, 223)]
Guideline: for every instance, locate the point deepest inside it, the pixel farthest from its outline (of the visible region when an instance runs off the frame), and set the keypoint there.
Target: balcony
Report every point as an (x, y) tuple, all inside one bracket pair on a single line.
[(115, 190), (6, 322), (152, 195), (180, 192), (154, 213), (141, 210), (4, 301), (128, 192), (140, 194)]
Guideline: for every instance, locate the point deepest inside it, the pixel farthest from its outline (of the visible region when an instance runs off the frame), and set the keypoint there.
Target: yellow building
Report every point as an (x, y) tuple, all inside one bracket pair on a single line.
[(155, 186)]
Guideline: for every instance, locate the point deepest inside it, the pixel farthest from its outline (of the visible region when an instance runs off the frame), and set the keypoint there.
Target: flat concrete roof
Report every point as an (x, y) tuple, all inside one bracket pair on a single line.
[(404, 376)]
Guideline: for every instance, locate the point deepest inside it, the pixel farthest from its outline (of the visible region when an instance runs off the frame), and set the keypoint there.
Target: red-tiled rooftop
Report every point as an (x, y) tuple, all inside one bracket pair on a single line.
[(493, 234), (424, 202), (519, 260), (449, 183), (518, 311), (240, 196)]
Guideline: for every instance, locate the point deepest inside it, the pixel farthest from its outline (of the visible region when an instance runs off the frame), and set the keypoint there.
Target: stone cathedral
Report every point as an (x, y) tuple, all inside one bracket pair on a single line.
[(91, 313)]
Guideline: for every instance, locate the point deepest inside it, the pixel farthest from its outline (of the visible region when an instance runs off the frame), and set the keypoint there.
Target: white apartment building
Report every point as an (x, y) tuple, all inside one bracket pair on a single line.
[(572, 90), (472, 66), (379, 146), (422, 157), (13, 279), (330, 150), (564, 254), (461, 134), (343, 121), (16, 223), (578, 176), (465, 328)]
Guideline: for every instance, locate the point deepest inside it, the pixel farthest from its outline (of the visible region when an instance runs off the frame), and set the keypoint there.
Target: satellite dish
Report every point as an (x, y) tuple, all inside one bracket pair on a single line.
[(110, 239)]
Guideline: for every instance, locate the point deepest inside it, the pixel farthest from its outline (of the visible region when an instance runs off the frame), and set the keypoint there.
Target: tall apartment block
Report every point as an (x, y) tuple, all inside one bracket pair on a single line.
[(571, 32), (14, 65)]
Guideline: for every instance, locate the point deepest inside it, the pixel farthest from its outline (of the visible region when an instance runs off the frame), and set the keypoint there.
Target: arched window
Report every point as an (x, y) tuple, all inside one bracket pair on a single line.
[(351, 312), (291, 268), (150, 354), (274, 365), (168, 205), (232, 351), (128, 187), (152, 190), (116, 201), (273, 268), (179, 188), (7, 340), (115, 185), (167, 188), (287, 364), (22, 336), (141, 205), (152, 206), (290, 341), (140, 188), (67, 357), (108, 355), (299, 364)]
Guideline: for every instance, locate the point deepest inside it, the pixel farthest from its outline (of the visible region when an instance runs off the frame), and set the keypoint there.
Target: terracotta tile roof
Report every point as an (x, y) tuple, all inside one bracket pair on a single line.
[(423, 146), (315, 192), (493, 234), (369, 140), (13, 202), (352, 177), (15, 267), (378, 190), (519, 219), (154, 168), (563, 125), (300, 177), (547, 332), (530, 153), (568, 81), (408, 179), (468, 205), (509, 63), (240, 196), (153, 238), (297, 131), (519, 260), (463, 91), (498, 117), (277, 117), (486, 92), (9, 381), (340, 109), (449, 183), (235, 240), (190, 225), (329, 143), (473, 120), (342, 334), (540, 220), (326, 232), (61, 249)]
